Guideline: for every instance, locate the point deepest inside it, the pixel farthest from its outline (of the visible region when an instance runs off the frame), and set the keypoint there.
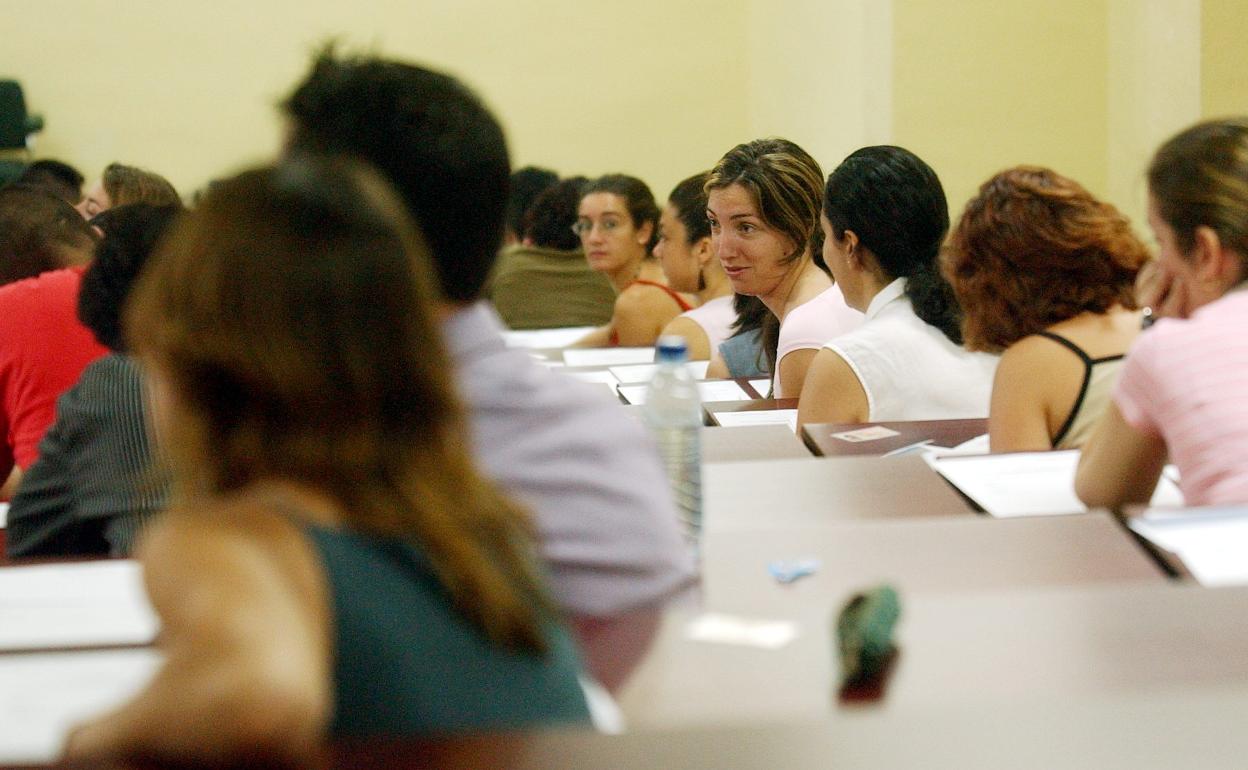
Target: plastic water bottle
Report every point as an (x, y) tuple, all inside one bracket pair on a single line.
[(673, 411)]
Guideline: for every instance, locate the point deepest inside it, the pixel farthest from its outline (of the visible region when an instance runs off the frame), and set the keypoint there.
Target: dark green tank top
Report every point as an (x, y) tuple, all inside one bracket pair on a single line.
[(406, 662)]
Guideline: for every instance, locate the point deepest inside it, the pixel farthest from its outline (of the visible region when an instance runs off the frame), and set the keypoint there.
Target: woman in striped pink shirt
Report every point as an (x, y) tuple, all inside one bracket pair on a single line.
[(1183, 392)]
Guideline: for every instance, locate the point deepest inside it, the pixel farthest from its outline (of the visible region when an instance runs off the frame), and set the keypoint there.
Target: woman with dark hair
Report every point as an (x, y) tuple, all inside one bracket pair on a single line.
[(92, 488), (617, 222), (684, 250), (332, 562), (121, 185), (1045, 275), (884, 217), (763, 201), (1180, 395)]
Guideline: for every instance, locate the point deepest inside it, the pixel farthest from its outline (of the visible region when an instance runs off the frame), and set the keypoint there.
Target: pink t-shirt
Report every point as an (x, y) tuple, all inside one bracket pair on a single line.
[(1187, 382), (811, 324)]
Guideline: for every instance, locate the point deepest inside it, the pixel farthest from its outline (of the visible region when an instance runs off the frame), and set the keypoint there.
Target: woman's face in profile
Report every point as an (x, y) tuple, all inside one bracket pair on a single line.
[(96, 201), (675, 254), (754, 255), (610, 240)]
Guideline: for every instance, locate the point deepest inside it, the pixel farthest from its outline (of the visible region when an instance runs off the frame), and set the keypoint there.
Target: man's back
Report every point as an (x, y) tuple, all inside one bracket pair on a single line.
[(539, 288), (590, 475)]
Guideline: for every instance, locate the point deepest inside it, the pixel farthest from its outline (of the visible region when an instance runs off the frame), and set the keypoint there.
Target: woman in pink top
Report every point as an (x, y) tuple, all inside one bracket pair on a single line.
[(763, 200), (1181, 392)]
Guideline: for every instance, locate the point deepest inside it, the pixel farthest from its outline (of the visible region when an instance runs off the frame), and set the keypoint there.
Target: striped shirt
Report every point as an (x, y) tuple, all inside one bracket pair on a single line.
[(91, 489), (1186, 381)]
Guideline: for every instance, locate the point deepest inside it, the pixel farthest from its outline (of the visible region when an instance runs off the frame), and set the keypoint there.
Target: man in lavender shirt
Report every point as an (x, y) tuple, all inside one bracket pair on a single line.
[(606, 522)]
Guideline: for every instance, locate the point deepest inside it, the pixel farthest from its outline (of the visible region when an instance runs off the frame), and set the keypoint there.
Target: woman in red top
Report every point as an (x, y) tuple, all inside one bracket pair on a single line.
[(617, 220)]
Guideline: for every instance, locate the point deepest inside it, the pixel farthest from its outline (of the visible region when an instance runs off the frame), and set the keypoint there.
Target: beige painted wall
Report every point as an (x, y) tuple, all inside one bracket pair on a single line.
[(980, 85), (657, 89), (1224, 58)]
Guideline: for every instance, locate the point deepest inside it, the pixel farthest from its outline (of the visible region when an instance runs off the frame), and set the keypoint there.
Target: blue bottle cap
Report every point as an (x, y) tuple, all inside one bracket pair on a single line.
[(671, 347)]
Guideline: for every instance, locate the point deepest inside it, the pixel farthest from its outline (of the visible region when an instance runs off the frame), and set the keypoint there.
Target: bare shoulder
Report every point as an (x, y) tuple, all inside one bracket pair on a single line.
[(694, 334)]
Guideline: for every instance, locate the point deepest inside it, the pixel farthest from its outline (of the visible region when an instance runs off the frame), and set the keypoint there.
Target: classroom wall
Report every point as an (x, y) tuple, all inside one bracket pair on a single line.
[(658, 89)]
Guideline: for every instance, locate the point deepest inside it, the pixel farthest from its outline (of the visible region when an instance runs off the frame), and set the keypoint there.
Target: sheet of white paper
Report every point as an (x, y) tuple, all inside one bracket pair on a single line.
[(758, 417), (607, 356), (1027, 483), (599, 375), (974, 446), (545, 338), (729, 629), (87, 604), (4, 514), (645, 372), (46, 694), (713, 390), (1212, 542), (762, 386)]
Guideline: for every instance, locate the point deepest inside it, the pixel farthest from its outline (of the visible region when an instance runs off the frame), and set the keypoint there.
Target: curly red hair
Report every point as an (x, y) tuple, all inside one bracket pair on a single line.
[(1034, 248)]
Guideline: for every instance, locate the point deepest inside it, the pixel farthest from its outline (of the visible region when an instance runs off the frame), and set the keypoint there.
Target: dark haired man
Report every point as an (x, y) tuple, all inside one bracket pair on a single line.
[(601, 504)]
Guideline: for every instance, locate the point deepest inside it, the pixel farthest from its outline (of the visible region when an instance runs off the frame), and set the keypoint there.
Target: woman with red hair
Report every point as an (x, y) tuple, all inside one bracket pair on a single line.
[(1045, 275)]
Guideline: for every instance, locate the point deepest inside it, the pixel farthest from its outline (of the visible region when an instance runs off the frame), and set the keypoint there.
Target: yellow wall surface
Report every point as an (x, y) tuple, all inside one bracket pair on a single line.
[(980, 85), (1224, 58), (189, 89)]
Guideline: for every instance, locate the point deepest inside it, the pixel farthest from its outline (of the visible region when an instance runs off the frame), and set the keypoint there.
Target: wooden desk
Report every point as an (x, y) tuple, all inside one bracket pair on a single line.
[(945, 433), (932, 555), (988, 648), (753, 442), (779, 493)]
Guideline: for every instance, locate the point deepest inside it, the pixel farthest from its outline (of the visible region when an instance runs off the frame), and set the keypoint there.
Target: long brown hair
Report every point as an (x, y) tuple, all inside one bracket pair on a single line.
[(128, 184), (292, 315)]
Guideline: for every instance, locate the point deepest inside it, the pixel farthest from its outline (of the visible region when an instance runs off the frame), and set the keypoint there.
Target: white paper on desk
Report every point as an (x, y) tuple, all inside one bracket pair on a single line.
[(1211, 542), (4, 514), (635, 373), (545, 338), (758, 417), (762, 386), (607, 356), (712, 390), (46, 694), (600, 375), (729, 629), (86, 604), (1027, 483)]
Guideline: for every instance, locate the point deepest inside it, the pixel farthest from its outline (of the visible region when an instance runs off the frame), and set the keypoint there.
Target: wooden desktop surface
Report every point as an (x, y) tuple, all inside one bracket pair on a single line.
[(946, 433), (777, 493)]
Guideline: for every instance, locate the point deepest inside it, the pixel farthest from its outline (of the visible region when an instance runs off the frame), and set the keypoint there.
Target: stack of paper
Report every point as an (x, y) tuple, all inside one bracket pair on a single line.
[(87, 604), (635, 373), (758, 417), (708, 390), (1027, 483), (1212, 542)]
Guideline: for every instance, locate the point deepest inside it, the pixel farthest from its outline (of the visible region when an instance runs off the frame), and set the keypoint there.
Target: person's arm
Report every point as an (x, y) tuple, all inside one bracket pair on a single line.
[(695, 337), (831, 391), (598, 338), (10, 485), (1120, 464), (641, 312), (245, 630), (717, 369), (1018, 417)]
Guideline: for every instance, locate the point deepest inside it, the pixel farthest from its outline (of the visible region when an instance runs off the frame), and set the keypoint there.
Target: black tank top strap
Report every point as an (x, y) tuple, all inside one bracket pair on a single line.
[(1083, 386)]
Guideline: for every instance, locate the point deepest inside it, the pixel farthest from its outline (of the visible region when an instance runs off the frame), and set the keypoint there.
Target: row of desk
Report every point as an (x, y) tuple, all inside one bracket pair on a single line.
[(1029, 642)]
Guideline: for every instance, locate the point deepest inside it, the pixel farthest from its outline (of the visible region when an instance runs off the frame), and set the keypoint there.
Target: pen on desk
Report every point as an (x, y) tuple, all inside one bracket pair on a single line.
[(907, 448)]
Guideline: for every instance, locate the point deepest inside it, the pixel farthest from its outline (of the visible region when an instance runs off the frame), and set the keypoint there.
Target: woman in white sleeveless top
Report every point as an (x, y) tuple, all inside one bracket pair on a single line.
[(689, 262), (884, 217)]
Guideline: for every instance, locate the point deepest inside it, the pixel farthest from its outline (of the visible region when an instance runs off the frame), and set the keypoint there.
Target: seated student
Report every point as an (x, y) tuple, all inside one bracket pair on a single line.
[(763, 203), (120, 184), (1181, 392), (61, 179), (39, 232), (544, 282), (590, 474), (690, 265), (741, 354), (1045, 272), (333, 564), (616, 221), (884, 217), (525, 185), (92, 487)]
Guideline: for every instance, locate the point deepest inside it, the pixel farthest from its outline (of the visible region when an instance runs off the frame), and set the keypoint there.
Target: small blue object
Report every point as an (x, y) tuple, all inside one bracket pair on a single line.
[(789, 571)]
